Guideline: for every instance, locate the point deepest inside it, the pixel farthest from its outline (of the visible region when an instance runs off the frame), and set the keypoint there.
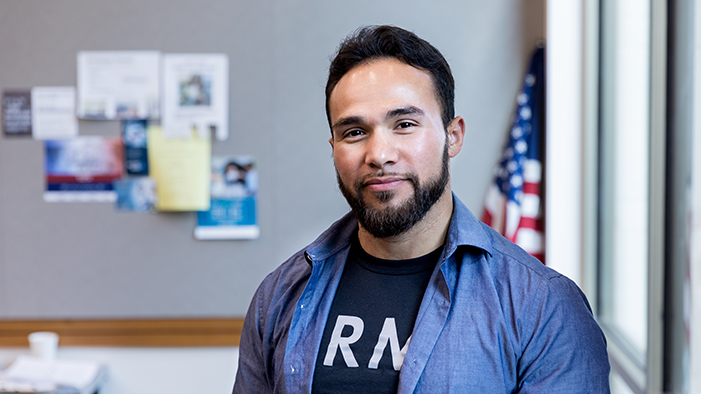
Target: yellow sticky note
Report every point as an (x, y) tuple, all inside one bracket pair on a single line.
[(181, 169)]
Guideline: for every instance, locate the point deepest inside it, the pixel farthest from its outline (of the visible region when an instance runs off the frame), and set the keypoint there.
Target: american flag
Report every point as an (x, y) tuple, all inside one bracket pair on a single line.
[(512, 205)]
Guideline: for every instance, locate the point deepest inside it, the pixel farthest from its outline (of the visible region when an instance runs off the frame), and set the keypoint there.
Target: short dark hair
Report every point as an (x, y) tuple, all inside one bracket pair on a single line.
[(376, 42)]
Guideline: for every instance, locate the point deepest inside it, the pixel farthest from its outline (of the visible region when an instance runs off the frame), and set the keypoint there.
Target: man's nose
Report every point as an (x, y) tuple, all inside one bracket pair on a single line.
[(381, 149)]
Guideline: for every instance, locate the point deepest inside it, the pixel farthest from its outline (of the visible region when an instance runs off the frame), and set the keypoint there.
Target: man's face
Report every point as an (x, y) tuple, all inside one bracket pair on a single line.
[(389, 144)]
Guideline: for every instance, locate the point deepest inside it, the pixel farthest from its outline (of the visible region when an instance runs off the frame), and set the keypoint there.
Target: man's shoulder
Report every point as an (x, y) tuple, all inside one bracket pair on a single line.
[(294, 269), (518, 274), (513, 272), (466, 230), (290, 277), (505, 252)]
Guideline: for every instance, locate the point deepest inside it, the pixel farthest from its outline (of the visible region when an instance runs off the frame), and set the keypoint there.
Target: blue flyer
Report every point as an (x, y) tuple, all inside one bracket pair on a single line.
[(234, 190), (135, 151), (135, 194)]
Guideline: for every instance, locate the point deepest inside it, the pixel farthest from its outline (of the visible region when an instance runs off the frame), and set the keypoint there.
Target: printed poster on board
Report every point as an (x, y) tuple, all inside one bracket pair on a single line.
[(232, 213), (119, 84), (82, 169), (135, 140), (17, 113), (135, 194), (195, 95), (53, 112)]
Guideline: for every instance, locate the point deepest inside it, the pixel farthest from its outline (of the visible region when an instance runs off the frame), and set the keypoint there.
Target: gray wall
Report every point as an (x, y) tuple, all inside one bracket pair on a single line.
[(73, 260)]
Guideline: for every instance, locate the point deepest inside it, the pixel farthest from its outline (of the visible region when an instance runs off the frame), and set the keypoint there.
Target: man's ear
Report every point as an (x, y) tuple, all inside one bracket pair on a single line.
[(456, 136), (331, 142)]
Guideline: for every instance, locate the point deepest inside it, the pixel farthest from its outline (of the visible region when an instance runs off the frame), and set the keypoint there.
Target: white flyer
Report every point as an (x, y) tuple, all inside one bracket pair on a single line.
[(53, 112), (119, 84), (195, 95)]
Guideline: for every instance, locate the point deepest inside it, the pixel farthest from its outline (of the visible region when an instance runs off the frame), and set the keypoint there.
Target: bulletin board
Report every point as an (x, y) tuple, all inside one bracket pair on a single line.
[(86, 261)]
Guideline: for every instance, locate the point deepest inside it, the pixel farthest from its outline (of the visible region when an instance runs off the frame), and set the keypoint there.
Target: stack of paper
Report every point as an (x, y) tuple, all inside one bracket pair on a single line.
[(34, 375)]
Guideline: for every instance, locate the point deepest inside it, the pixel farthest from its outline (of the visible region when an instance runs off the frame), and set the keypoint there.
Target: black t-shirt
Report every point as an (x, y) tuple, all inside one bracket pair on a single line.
[(371, 319)]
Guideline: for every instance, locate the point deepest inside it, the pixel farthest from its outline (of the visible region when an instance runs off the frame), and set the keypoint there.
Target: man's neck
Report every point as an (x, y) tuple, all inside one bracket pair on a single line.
[(423, 238)]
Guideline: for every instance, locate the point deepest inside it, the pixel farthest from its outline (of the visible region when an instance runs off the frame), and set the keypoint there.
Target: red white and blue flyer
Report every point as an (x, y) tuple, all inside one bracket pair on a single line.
[(83, 169), (232, 213)]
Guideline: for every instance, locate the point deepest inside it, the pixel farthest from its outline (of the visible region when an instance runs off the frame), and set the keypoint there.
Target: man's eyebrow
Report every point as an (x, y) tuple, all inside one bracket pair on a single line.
[(401, 111), (347, 121)]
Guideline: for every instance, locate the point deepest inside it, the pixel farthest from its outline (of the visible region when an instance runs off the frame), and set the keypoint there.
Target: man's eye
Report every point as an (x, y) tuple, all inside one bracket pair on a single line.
[(404, 125), (354, 133)]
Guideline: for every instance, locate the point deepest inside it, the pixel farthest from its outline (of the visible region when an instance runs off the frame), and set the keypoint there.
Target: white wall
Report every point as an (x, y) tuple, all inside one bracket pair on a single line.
[(563, 171)]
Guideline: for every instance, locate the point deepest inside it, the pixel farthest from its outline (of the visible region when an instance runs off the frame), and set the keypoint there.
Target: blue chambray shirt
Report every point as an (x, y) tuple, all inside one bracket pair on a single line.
[(493, 320)]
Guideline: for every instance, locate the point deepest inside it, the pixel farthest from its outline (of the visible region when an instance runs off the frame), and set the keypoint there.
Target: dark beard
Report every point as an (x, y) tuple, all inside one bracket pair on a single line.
[(392, 221)]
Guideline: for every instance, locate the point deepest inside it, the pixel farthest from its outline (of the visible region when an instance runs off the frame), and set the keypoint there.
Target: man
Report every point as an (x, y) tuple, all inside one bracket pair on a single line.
[(409, 292)]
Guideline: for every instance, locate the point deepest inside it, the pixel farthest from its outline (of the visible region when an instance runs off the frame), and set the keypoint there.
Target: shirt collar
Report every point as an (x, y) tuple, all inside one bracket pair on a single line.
[(466, 230), (334, 239)]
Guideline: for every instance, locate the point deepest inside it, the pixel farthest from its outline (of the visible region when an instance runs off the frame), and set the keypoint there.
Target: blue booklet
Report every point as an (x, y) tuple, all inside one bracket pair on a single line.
[(135, 150)]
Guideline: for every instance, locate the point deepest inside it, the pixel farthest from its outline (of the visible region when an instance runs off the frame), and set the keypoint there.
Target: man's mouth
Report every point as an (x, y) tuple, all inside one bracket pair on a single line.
[(384, 183)]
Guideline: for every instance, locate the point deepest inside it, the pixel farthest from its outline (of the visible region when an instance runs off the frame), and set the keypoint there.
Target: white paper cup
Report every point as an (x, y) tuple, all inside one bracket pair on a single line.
[(44, 344)]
